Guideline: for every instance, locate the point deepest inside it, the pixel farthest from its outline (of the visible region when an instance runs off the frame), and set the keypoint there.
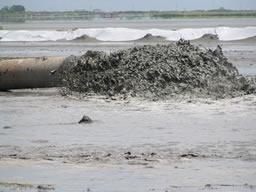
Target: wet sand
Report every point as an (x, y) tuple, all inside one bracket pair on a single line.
[(179, 145)]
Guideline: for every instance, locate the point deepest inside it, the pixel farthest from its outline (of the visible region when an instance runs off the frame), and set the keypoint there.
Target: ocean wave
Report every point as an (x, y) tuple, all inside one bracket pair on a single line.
[(126, 34)]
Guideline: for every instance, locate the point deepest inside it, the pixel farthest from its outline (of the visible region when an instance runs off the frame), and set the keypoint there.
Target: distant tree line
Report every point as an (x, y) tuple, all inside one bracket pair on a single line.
[(12, 9), (18, 13), (14, 13)]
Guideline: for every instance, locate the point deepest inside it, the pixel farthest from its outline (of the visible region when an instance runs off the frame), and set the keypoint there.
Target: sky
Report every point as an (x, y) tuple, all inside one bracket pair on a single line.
[(121, 5)]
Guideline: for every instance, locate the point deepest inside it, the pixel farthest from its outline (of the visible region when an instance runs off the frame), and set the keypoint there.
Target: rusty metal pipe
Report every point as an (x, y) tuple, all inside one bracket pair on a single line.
[(29, 72)]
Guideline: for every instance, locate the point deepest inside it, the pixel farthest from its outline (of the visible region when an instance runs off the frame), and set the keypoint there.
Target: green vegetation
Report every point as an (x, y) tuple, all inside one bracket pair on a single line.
[(204, 14), (18, 13), (15, 13), (89, 15), (14, 8)]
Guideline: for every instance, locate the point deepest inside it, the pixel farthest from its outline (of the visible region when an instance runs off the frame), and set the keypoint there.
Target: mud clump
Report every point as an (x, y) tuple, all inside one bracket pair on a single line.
[(210, 37), (85, 120), (151, 38), (7, 127), (45, 187), (155, 72), (85, 38)]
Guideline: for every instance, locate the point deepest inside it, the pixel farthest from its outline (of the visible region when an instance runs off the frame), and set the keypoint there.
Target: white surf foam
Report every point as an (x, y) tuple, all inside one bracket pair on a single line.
[(126, 34)]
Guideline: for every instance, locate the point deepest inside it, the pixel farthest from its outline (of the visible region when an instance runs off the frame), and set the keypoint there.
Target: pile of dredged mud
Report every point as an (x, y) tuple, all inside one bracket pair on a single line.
[(155, 72)]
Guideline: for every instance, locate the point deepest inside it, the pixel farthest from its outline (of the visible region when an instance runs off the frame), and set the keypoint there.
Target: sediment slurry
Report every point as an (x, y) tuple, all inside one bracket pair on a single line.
[(86, 38), (25, 187), (155, 72), (197, 143), (207, 38), (146, 155)]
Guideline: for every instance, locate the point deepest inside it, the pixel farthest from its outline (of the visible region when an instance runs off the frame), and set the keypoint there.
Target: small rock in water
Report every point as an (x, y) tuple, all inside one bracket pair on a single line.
[(85, 120)]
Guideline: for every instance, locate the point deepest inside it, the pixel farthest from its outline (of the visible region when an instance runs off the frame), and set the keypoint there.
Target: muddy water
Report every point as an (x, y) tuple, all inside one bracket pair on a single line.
[(183, 145), (189, 176), (247, 70), (179, 145), (141, 24)]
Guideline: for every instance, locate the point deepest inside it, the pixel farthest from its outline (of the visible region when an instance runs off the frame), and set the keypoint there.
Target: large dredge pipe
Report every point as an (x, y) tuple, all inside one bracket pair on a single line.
[(29, 72)]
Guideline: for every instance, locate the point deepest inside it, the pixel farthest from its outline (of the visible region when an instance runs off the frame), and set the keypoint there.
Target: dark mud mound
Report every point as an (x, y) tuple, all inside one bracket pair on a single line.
[(210, 37), (152, 38), (86, 38), (207, 38), (155, 72)]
